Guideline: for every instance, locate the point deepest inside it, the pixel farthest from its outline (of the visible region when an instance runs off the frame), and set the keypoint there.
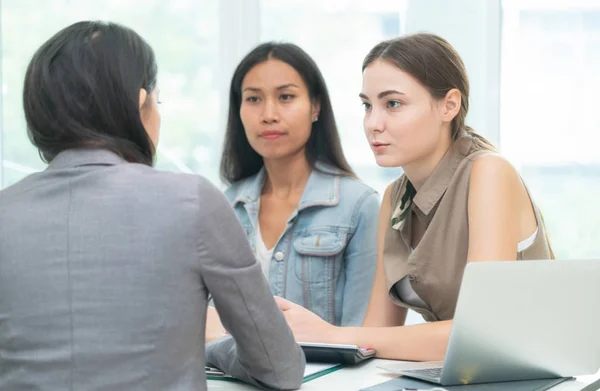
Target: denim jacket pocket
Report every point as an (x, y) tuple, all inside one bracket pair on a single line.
[(320, 253)]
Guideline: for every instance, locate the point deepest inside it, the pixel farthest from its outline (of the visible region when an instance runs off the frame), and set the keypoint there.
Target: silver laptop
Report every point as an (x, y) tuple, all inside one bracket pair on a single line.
[(519, 321)]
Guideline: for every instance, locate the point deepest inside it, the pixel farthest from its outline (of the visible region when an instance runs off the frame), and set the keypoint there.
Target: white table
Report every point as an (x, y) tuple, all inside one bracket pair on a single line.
[(367, 375)]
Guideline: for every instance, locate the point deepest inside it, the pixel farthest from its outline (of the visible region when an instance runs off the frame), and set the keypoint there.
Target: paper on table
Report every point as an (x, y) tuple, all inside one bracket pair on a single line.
[(311, 371)]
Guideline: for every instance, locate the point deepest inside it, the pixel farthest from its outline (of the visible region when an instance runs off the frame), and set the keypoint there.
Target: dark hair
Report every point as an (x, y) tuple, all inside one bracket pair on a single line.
[(437, 66), (239, 160), (82, 89)]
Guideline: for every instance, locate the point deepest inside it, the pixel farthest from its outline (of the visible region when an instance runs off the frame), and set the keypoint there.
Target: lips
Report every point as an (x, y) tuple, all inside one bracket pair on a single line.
[(271, 134), (378, 147), (379, 144)]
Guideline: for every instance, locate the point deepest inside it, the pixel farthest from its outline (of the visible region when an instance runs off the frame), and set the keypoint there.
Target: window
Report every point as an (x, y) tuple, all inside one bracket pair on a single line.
[(184, 35), (549, 122)]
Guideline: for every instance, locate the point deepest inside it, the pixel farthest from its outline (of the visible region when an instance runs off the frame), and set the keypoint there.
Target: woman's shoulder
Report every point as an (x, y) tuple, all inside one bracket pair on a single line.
[(486, 165), (350, 188), (241, 188), (353, 190), (356, 197), (181, 183), (481, 161)]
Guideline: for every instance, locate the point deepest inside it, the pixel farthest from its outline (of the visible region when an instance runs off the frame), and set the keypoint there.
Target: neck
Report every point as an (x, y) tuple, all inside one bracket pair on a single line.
[(420, 170), (286, 176)]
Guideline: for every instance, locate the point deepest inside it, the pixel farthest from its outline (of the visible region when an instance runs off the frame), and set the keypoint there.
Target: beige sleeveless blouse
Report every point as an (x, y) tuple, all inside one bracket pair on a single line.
[(435, 267)]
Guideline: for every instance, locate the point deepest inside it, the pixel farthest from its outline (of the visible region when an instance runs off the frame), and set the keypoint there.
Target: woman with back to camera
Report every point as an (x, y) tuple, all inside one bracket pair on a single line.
[(311, 223), (106, 263), (458, 201)]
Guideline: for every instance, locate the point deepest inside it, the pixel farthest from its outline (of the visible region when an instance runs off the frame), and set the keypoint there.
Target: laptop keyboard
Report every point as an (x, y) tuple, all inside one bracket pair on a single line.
[(432, 373)]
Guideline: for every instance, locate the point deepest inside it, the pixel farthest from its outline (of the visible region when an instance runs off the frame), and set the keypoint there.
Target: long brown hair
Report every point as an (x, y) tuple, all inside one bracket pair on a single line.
[(434, 63)]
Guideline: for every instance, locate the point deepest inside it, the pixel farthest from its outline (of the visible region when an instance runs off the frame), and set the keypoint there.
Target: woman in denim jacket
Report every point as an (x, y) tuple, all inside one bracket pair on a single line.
[(311, 223)]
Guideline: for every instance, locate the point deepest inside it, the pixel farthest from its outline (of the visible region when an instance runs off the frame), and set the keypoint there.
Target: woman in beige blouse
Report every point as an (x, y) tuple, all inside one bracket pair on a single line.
[(458, 201)]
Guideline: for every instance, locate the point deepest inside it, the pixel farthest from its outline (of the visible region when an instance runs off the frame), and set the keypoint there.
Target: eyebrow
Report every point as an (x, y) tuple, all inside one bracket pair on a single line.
[(282, 87), (382, 94)]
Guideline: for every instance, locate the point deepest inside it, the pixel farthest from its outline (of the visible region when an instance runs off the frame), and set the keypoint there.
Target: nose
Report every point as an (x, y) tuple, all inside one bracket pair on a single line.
[(374, 122), (270, 112)]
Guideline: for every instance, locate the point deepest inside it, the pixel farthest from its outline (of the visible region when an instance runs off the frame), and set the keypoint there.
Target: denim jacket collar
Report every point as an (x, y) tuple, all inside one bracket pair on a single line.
[(322, 188)]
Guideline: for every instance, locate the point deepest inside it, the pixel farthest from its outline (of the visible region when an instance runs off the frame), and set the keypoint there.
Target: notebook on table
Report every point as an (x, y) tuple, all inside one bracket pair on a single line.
[(335, 353), (321, 359)]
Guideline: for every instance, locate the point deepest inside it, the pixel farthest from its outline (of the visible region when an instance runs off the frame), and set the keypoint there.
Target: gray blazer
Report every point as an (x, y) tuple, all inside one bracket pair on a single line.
[(105, 268)]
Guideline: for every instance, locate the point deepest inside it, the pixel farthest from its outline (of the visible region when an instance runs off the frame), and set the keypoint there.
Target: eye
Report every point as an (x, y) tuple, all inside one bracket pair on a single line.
[(252, 99), (285, 97), (366, 106), (394, 104)]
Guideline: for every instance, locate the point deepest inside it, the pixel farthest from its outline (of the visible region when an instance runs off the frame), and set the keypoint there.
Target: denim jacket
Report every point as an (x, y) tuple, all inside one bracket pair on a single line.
[(326, 257)]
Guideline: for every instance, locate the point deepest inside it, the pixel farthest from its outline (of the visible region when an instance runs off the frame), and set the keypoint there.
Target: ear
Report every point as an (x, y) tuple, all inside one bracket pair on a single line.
[(316, 110), (143, 95), (451, 105)]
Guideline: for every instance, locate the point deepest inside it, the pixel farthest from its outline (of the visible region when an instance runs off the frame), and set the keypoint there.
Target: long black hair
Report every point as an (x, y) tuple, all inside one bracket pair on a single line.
[(82, 89), (239, 160)]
